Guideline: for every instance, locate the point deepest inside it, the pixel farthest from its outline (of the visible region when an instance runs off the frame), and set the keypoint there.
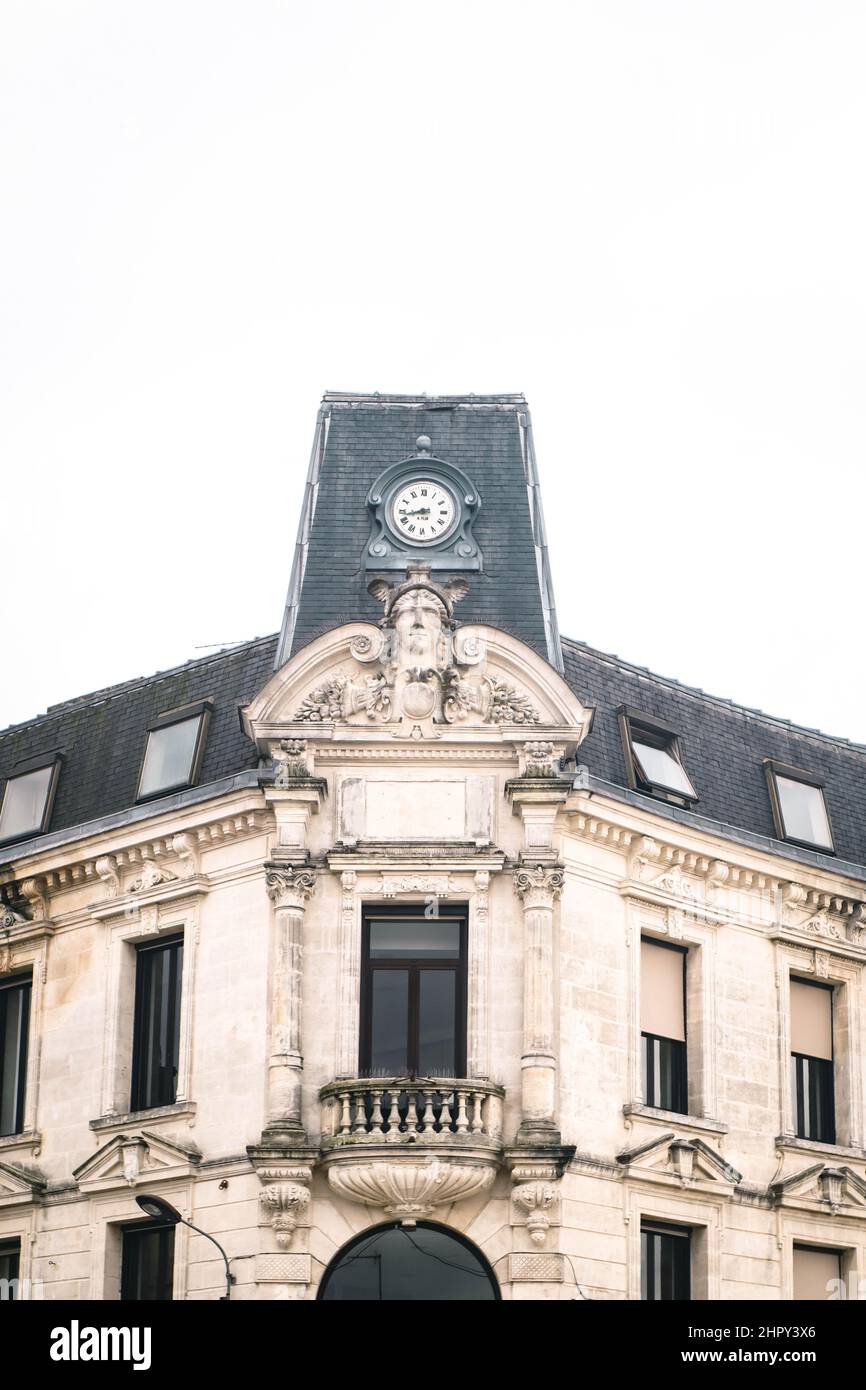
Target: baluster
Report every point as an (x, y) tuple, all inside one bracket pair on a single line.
[(411, 1112), (429, 1118), (360, 1112), (462, 1117), (376, 1116), (345, 1113), (477, 1116), (394, 1115)]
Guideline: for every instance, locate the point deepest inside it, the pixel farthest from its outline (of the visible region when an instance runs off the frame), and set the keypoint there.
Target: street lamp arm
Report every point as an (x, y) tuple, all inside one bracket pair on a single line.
[(230, 1278)]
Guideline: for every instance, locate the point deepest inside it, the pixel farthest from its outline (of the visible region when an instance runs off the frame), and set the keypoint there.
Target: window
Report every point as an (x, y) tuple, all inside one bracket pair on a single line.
[(10, 1264), (665, 1263), (817, 1274), (147, 1262), (413, 1002), (29, 797), (392, 1263), (812, 1060), (175, 744), (799, 808), (663, 1025), (156, 1042), (652, 758), (14, 1024)]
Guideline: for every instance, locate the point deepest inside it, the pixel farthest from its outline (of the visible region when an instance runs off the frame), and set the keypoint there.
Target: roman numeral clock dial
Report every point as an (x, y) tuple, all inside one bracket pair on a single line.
[(423, 512)]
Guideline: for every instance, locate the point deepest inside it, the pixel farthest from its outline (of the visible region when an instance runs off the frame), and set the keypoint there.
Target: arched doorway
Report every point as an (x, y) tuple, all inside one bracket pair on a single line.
[(409, 1264)]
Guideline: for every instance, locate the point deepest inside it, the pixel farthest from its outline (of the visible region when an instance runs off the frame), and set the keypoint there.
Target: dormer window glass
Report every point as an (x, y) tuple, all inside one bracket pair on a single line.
[(653, 760), (175, 744), (799, 807), (28, 797)]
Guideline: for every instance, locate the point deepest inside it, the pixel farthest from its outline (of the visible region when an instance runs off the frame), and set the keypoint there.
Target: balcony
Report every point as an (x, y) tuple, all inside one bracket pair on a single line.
[(409, 1144)]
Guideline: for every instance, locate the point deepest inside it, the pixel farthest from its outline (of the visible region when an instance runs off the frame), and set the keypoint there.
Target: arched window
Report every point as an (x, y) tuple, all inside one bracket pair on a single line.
[(409, 1264)]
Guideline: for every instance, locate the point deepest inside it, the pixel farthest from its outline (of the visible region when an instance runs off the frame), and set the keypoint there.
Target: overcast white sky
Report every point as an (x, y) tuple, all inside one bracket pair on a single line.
[(650, 217)]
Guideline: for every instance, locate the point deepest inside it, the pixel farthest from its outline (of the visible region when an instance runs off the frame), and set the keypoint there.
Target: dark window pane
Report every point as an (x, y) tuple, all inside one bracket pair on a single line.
[(390, 1023), (10, 1259), (665, 1273), (157, 1025), (664, 1073), (416, 939), (397, 1264), (814, 1108), (437, 1017), (147, 1272), (169, 756), (14, 1022)]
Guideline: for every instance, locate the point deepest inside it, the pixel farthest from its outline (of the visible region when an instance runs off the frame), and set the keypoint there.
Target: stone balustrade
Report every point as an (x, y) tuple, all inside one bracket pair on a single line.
[(429, 1110)]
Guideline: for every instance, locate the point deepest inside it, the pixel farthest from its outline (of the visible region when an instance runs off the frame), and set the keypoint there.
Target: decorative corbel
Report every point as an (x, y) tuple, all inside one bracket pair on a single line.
[(36, 894), (188, 853), (106, 869), (537, 1200), (285, 1199)]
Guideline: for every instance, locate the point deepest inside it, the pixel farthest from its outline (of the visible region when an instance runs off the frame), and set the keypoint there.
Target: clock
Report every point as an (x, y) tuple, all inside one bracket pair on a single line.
[(423, 512)]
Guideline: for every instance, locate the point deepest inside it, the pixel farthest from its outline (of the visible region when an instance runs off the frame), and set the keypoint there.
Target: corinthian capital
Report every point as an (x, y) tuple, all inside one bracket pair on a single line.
[(539, 885), (289, 886)]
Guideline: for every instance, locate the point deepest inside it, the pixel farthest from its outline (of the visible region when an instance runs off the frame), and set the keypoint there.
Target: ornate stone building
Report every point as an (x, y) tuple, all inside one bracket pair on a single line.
[(419, 953)]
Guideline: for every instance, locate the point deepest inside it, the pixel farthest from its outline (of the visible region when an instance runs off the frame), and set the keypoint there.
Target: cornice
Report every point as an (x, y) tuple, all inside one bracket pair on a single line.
[(133, 863), (710, 885)]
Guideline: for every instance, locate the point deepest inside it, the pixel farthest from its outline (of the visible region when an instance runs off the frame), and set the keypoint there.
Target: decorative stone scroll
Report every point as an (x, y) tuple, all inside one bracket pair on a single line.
[(427, 673)]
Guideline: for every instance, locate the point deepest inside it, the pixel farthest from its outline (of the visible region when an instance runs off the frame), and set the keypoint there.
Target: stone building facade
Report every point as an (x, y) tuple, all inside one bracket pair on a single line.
[(418, 946)]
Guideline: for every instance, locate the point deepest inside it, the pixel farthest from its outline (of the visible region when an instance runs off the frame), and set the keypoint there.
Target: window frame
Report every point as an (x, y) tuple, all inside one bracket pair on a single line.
[(634, 721), (668, 1230), (54, 760), (143, 949), (136, 1230), (7, 986), (773, 769), (841, 1254), (683, 1043), (826, 1076), (413, 964), (198, 709), (11, 1249)]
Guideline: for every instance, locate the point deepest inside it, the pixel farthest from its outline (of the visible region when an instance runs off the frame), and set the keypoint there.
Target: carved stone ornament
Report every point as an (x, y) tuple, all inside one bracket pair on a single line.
[(285, 1204), (536, 1200), (409, 1191), (427, 673), (151, 876), (290, 887), (539, 886), (9, 917)]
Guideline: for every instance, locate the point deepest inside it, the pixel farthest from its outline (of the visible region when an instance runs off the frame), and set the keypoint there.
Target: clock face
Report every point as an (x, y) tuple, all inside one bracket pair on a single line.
[(423, 512)]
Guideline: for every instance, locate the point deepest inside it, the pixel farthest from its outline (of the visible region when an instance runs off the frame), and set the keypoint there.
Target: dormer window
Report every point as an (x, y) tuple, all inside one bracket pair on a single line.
[(799, 807), (175, 744), (653, 760), (29, 796)]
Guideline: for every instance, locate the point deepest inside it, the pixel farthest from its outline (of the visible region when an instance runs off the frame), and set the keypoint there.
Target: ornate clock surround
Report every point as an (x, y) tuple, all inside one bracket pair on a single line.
[(386, 549)]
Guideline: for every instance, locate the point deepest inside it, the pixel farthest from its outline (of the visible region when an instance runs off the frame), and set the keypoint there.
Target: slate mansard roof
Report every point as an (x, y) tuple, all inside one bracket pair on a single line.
[(489, 439), (723, 745)]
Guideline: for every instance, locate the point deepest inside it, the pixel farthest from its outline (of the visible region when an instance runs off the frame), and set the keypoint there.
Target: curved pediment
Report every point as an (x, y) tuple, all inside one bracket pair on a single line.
[(421, 681)]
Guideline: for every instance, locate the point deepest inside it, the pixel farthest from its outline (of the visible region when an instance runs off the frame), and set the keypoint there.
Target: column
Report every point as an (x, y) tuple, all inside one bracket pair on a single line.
[(289, 889), (538, 888)]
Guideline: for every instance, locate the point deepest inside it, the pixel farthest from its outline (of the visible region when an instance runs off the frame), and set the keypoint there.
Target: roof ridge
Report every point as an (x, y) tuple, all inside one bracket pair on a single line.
[(109, 692), (696, 692)]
